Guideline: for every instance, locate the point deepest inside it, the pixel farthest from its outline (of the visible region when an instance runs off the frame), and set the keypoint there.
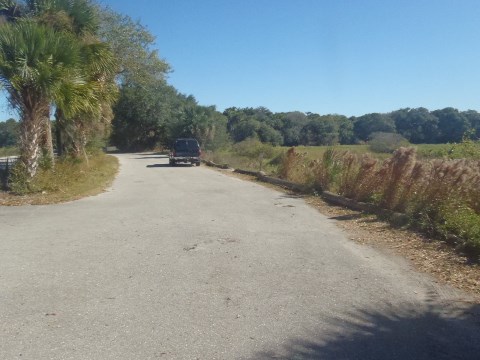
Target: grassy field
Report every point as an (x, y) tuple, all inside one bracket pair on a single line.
[(255, 156), (467, 150), (8, 151)]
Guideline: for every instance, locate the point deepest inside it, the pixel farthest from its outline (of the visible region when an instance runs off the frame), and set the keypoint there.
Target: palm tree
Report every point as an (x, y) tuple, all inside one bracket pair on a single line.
[(36, 63), (78, 18), (96, 97), (99, 68), (75, 104)]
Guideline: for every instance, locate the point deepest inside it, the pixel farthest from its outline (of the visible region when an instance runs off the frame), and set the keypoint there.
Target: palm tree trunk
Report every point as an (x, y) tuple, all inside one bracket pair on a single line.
[(30, 134), (47, 141)]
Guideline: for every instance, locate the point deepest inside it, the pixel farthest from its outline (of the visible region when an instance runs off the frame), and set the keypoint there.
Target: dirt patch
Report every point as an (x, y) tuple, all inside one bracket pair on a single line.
[(427, 255)]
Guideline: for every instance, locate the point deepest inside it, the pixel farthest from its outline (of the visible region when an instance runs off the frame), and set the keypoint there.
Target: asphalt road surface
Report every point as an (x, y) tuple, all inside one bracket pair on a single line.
[(189, 263)]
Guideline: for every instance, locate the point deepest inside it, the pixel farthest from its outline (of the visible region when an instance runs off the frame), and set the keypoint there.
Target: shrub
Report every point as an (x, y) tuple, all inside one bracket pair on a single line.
[(382, 142), (19, 181), (253, 149)]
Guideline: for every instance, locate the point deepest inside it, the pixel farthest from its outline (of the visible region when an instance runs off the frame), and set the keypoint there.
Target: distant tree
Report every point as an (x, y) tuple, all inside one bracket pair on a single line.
[(416, 125), (257, 123), (345, 131), (474, 119), (246, 128), (319, 131), (204, 123), (291, 124), (8, 133), (268, 134), (142, 114), (364, 126), (452, 125)]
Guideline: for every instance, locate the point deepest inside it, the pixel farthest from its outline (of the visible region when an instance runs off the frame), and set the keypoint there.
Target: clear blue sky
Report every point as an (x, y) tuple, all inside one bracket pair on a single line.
[(326, 56)]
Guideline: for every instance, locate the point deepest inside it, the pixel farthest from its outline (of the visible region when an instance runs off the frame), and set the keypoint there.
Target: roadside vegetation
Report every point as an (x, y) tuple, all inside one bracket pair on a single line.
[(439, 190), (8, 151), (70, 180)]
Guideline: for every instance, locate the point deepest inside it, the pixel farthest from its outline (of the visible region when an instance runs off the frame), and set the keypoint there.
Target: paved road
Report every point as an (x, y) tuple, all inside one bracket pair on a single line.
[(188, 263)]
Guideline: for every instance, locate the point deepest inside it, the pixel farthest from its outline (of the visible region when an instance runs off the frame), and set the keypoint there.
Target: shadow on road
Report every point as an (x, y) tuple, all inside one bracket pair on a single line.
[(169, 166), (404, 334), (152, 157)]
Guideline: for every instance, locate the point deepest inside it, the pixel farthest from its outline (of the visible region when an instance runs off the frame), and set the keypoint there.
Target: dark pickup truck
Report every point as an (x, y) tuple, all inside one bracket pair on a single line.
[(185, 151)]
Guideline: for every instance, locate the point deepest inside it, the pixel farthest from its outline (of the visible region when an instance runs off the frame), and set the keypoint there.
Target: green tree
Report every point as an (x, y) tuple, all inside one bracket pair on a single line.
[(345, 130), (142, 114), (133, 46), (416, 125), (8, 133), (36, 64), (452, 125), (77, 18), (366, 125), (474, 119), (319, 131), (291, 126)]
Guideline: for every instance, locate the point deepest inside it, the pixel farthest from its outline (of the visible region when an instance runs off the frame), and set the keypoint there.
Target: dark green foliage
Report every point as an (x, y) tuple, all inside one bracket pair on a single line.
[(416, 125), (474, 119), (8, 133), (141, 115), (154, 115), (291, 126), (364, 126), (326, 130), (452, 125), (249, 123)]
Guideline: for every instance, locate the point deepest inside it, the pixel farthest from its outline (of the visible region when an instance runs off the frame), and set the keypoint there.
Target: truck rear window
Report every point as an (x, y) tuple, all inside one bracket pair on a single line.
[(186, 146)]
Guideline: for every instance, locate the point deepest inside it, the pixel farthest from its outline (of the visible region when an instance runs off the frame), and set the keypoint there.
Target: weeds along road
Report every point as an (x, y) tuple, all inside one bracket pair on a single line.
[(188, 263)]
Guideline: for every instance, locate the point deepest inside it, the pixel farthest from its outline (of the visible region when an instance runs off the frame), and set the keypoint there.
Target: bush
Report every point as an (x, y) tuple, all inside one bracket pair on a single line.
[(253, 149), (19, 180), (382, 142)]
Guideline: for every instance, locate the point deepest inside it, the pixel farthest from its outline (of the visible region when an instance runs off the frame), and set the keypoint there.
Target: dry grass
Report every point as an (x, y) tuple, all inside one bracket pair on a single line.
[(440, 196), (69, 181)]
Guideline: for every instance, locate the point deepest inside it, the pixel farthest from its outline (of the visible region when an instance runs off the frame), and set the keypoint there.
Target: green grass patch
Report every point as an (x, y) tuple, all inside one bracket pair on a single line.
[(249, 154), (317, 152), (71, 179), (465, 150), (8, 151)]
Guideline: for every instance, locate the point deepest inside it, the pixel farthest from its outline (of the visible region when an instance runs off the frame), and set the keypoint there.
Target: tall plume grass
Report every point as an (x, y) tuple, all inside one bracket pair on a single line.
[(440, 196)]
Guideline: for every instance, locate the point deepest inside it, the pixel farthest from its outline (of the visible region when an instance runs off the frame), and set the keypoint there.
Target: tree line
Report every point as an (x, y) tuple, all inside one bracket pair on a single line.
[(146, 118), (154, 114), (296, 128)]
